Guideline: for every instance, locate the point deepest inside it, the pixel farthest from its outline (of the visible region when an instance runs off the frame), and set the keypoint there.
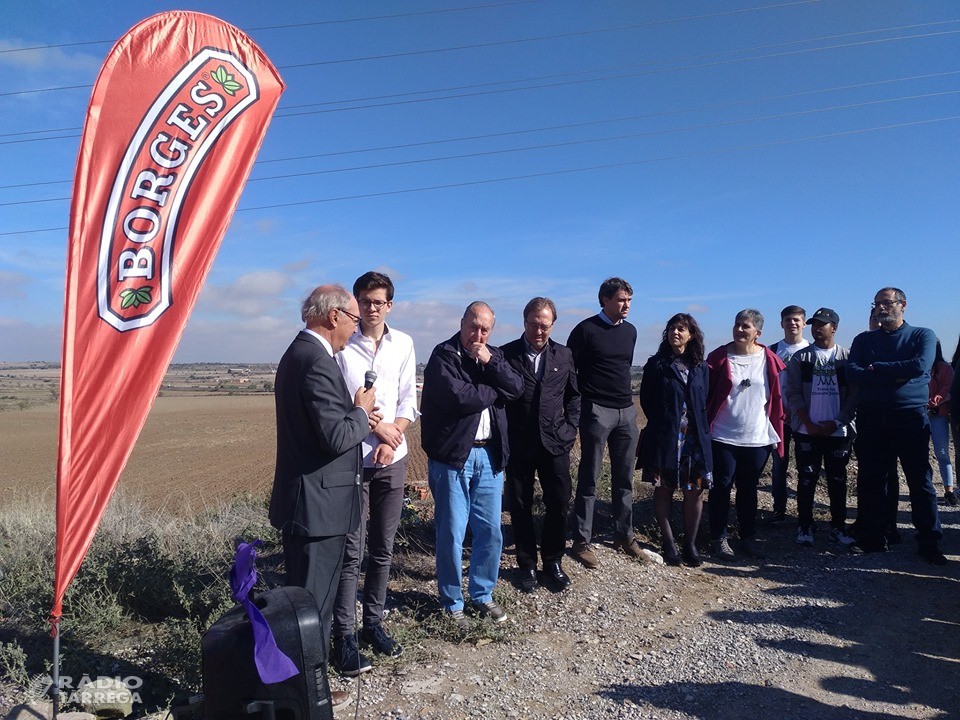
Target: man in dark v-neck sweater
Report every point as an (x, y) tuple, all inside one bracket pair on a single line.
[(602, 348)]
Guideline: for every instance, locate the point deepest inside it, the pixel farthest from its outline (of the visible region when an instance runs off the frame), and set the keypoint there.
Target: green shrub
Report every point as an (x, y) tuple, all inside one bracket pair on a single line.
[(148, 588)]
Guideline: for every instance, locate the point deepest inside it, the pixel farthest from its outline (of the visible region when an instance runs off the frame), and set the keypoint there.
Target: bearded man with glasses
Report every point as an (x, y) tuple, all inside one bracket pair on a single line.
[(892, 367)]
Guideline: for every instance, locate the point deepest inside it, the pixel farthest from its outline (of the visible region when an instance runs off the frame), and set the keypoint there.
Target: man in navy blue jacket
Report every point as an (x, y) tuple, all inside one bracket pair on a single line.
[(464, 434), (892, 368), (542, 427)]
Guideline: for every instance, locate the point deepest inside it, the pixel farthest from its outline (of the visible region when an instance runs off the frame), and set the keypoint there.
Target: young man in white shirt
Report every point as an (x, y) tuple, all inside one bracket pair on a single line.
[(792, 320), (823, 405), (390, 354)]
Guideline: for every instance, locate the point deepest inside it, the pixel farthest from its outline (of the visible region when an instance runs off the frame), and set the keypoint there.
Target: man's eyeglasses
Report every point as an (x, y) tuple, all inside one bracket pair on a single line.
[(538, 326), (355, 318), (375, 304), (884, 304)]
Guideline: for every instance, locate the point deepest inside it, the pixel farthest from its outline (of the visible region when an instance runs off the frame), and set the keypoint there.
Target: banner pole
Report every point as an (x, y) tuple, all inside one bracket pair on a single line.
[(55, 689)]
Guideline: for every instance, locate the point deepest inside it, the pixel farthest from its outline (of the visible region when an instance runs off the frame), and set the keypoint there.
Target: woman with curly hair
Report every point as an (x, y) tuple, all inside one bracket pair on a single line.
[(674, 446)]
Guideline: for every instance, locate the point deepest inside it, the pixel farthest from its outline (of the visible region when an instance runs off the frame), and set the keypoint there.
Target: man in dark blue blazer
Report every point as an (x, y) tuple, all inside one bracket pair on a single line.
[(319, 430), (542, 427)]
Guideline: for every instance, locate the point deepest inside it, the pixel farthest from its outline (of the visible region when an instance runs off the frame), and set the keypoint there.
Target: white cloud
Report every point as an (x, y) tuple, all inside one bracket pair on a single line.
[(251, 295), (261, 339), (46, 59), (13, 284), (22, 341)]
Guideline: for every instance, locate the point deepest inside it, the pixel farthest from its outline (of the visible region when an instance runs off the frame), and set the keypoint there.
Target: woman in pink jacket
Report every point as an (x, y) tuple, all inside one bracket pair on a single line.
[(745, 411)]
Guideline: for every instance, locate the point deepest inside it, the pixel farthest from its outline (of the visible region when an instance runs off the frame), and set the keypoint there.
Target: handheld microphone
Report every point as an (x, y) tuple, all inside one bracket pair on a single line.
[(369, 378)]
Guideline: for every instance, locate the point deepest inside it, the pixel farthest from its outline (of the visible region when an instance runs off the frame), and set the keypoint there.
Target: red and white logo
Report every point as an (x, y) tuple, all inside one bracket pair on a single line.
[(154, 180)]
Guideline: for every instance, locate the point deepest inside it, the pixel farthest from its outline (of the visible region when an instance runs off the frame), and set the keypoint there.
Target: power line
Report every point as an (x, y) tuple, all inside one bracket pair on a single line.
[(569, 171), (297, 25), (627, 136), (677, 68), (590, 123), (558, 76), (282, 114), (626, 163), (497, 43), (627, 118), (568, 143), (500, 43)]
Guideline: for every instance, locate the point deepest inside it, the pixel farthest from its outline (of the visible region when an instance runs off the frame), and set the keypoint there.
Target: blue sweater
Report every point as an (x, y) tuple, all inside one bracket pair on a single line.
[(892, 369)]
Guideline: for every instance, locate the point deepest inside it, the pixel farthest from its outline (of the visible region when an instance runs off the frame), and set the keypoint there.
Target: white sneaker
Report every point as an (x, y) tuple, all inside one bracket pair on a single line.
[(805, 536), (841, 538)]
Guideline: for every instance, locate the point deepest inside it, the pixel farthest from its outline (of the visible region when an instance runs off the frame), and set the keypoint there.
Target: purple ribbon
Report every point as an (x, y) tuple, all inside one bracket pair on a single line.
[(272, 665)]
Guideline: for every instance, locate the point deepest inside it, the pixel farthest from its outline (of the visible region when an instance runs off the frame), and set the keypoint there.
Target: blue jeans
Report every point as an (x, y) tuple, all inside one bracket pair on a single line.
[(940, 433), (471, 496), (883, 436), (614, 429)]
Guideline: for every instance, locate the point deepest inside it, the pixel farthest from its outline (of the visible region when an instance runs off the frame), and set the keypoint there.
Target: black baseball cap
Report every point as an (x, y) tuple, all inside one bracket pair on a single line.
[(824, 315)]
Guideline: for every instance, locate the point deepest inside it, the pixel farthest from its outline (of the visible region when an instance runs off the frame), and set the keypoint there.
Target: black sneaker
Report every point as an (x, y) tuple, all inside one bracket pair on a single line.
[(950, 497), (376, 637), (347, 658), (933, 555), (777, 516)]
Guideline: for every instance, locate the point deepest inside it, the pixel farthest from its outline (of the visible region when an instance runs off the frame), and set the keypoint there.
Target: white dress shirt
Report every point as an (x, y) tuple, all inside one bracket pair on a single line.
[(396, 366)]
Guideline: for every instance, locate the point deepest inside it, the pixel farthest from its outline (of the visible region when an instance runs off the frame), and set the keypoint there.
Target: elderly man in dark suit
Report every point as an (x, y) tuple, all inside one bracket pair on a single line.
[(315, 500), (542, 426)]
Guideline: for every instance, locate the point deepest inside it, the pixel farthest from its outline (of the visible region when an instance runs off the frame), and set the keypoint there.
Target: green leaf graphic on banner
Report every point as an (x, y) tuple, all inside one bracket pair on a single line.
[(135, 298), (226, 80)]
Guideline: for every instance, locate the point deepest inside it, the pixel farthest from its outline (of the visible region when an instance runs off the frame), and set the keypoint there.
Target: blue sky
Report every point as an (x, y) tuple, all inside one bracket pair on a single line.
[(718, 155)]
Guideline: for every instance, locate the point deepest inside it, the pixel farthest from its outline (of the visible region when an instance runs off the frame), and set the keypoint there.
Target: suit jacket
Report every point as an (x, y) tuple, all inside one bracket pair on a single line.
[(548, 411), (319, 432)]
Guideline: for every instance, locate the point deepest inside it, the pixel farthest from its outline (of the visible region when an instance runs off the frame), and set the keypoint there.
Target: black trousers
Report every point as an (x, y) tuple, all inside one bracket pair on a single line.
[(314, 563), (553, 472), (833, 454)]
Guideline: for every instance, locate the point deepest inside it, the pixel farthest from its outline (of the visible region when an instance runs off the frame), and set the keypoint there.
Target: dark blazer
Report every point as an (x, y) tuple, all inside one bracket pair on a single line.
[(456, 389), (549, 409), (319, 432), (662, 393)]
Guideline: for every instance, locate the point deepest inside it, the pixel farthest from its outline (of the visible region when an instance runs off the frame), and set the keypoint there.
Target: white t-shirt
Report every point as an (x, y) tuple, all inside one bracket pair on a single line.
[(785, 352), (742, 420), (824, 391)]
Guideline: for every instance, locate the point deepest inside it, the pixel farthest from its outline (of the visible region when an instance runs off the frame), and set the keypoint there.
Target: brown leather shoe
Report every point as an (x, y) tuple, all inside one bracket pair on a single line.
[(340, 699), (584, 554), (631, 546)]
